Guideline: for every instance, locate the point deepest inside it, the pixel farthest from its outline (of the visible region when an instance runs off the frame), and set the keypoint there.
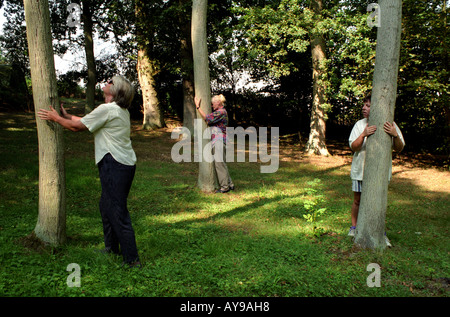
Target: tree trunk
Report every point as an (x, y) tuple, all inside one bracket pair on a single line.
[(51, 223), (90, 58), (153, 118), (370, 227), (189, 113), (187, 68), (316, 142), (445, 98), (147, 69), (202, 85)]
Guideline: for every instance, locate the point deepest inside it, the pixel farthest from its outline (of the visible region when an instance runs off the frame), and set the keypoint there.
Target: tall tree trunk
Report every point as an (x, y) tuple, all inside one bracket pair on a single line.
[(90, 58), (445, 98), (188, 104), (51, 223), (153, 118), (206, 178), (187, 68), (370, 227), (316, 142), (147, 69)]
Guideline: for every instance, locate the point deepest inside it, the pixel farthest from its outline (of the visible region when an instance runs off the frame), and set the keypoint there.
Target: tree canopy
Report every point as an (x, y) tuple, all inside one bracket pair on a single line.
[(260, 59)]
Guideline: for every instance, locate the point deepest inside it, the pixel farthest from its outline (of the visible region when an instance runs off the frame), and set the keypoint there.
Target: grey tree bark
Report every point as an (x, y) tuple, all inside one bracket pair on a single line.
[(206, 178), (51, 223), (187, 68), (370, 227)]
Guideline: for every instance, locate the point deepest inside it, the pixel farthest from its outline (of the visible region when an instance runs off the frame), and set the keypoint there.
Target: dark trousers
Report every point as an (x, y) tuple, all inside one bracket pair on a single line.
[(116, 180)]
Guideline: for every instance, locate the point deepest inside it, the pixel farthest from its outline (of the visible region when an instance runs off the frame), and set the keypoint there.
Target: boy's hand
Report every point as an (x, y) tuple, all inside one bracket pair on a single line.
[(389, 128), (369, 130)]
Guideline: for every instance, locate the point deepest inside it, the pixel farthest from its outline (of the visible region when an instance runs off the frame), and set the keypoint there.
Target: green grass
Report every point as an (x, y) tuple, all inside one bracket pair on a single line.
[(254, 241)]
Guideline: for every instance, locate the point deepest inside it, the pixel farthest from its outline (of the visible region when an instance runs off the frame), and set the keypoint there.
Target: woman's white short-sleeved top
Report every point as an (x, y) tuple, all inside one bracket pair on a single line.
[(110, 125)]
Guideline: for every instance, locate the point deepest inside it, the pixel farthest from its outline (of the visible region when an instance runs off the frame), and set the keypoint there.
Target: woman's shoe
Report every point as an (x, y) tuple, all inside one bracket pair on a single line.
[(222, 191)]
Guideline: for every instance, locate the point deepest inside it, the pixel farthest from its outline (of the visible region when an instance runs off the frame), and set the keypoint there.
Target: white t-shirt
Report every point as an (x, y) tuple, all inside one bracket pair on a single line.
[(359, 157), (110, 125)]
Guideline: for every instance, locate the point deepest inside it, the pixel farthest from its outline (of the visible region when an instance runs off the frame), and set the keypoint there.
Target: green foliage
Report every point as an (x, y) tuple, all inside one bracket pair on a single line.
[(273, 34), (68, 85), (423, 105), (277, 37)]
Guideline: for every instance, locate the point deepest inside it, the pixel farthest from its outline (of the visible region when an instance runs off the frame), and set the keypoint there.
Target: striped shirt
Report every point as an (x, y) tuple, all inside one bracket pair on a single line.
[(219, 121)]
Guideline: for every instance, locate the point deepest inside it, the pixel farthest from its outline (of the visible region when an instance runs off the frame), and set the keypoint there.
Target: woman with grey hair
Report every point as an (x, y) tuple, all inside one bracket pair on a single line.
[(116, 161), (218, 120)]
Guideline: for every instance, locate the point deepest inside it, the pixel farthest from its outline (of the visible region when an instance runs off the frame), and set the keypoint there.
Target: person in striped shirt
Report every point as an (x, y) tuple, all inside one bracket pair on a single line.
[(218, 120)]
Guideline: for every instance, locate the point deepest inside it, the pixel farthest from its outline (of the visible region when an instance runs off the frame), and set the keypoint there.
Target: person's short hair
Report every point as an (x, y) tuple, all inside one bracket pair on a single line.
[(122, 91), (367, 98), (221, 98)]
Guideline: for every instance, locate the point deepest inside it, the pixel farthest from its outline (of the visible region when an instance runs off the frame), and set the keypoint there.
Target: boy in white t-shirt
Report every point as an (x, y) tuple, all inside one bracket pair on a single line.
[(357, 142)]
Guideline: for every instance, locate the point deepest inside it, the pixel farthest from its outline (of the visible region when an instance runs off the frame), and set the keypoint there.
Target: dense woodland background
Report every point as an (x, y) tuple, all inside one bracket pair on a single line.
[(260, 59)]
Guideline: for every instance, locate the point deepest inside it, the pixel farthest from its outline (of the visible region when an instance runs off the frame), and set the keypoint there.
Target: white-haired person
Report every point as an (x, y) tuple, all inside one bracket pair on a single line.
[(116, 161), (357, 141), (218, 119)]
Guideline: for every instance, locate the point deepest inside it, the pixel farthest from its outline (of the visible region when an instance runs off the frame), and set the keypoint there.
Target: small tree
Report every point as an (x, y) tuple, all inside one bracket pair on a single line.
[(370, 228), (51, 223)]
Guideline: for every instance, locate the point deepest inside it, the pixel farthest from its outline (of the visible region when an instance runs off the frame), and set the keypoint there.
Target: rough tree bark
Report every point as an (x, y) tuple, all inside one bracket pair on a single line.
[(51, 223), (153, 118), (147, 69), (316, 142)]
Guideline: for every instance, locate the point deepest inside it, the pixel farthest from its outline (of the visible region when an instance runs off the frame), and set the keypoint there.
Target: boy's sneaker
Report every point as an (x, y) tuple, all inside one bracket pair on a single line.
[(352, 231), (388, 243)]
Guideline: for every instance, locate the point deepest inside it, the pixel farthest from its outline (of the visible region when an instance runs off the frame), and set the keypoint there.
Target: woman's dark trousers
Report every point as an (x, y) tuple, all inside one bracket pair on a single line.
[(116, 180)]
